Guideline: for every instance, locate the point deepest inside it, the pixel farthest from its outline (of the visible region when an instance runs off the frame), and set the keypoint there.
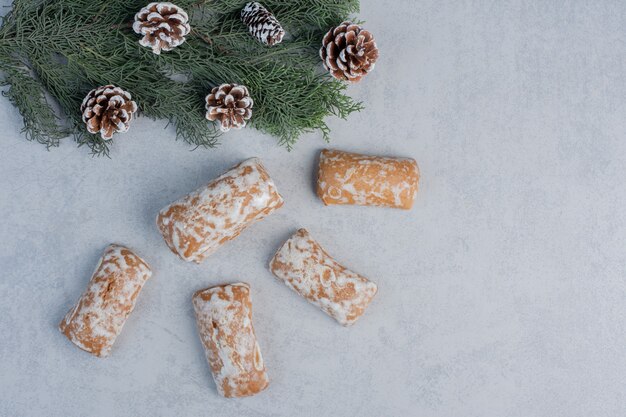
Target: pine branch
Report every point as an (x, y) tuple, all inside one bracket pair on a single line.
[(25, 92), (64, 49)]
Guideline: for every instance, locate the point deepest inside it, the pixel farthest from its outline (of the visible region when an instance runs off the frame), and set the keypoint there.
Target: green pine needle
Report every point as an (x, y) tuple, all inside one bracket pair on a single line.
[(63, 49)]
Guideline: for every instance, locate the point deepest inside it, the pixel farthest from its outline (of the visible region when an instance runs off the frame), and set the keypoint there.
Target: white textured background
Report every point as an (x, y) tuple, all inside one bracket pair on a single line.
[(501, 293)]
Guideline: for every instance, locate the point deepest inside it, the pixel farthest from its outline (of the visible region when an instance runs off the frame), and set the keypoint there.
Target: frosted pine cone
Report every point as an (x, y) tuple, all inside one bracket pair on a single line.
[(262, 24), (107, 110), (230, 104), (163, 26), (349, 52)]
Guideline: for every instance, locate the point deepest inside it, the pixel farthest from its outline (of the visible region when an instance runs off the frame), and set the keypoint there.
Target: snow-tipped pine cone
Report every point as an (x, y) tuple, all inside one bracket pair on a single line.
[(262, 24), (349, 52), (230, 104), (163, 26), (107, 110)]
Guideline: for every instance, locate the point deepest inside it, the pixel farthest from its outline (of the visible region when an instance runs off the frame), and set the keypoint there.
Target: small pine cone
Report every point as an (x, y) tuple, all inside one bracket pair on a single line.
[(163, 26), (108, 109), (349, 52), (231, 104), (262, 24)]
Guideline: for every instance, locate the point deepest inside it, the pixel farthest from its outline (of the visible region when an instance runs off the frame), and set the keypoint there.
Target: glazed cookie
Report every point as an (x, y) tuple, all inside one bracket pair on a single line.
[(350, 178), (98, 317), (224, 319), (197, 225), (305, 267)]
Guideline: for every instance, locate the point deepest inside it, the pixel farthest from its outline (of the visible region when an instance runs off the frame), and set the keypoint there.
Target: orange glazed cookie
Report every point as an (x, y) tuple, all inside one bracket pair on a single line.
[(196, 225), (224, 319), (98, 317), (305, 267), (350, 178)]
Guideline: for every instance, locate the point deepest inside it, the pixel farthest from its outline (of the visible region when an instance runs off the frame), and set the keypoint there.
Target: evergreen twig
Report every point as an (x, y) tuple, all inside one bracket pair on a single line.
[(63, 49)]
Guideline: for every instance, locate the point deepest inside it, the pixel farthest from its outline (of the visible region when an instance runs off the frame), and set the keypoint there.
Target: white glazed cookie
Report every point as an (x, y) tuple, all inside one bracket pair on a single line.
[(98, 317), (196, 225), (224, 319), (349, 178), (305, 267)]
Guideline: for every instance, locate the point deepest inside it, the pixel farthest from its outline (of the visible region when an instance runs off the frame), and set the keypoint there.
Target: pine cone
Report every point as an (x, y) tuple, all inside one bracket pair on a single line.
[(262, 24), (349, 52), (108, 109), (163, 26), (231, 104)]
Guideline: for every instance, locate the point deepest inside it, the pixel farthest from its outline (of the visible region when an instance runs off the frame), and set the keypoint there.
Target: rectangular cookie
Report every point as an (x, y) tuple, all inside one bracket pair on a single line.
[(197, 225), (305, 267), (350, 178), (99, 316), (224, 319)]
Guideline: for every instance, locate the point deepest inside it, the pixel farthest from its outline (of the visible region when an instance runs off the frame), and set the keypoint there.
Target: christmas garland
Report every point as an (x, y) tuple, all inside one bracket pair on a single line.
[(73, 65)]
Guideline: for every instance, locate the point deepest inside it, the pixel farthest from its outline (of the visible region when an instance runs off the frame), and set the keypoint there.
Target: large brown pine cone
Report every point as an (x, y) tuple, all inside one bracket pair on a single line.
[(230, 104), (108, 109), (262, 24), (163, 26), (349, 52)]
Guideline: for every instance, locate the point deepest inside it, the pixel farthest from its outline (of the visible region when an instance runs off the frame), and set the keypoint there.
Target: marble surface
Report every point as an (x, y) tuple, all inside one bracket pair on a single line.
[(501, 293)]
